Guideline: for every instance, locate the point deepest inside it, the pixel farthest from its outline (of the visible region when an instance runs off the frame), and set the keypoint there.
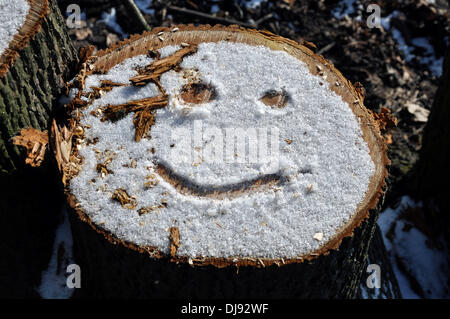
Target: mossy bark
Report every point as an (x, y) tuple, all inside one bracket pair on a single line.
[(28, 91)]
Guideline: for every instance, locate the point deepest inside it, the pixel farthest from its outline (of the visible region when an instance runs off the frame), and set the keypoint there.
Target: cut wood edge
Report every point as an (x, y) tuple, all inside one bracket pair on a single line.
[(39, 9), (353, 94)]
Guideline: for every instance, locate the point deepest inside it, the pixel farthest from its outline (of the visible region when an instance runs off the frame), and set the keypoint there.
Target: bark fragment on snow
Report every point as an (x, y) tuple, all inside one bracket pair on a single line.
[(35, 142), (153, 71), (174, 241), (143, 120), (124, 199), (105, 86), (148, 209), (144, 112), (115, 112)]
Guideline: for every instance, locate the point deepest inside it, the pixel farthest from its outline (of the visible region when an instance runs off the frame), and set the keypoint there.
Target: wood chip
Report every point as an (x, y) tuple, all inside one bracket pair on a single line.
[(385, 119), (62, 137), (124, 199), (318, 236), (103, 169), (262, 263), (145, 112), (116, 112), (153, 71), (174, 240), (35, 142), (151, 181)]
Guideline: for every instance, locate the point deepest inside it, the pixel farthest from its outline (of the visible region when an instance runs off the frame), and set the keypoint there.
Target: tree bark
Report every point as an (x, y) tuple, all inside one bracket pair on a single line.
[(29, 89), (433, 173), (31, 199), (378, 255)]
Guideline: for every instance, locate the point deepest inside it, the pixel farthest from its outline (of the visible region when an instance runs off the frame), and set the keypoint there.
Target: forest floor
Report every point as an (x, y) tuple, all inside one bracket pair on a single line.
[(399, 65)]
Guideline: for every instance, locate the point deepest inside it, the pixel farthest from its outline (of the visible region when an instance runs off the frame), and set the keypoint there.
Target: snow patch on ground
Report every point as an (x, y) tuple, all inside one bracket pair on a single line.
[(346, 8), (411, 256), (428, 57), (110, 19), (144, 6), (252, 4), (12, 17), (53, 280)]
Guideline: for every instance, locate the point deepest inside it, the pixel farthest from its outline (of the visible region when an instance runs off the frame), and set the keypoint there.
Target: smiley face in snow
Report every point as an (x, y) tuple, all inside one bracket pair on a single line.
[(245, 152)]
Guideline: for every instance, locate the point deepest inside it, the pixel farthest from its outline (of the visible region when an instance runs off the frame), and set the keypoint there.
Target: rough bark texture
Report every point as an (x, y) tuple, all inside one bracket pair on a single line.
[(28, 91), (378, 255), (434, 168), (115, 271), (30, 200)]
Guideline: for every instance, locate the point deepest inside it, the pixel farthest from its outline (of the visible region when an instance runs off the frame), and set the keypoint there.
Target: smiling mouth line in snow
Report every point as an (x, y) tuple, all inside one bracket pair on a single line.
[(187, 187)]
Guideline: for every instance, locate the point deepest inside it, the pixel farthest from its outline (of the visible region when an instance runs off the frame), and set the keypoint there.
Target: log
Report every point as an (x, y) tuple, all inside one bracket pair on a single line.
[(33, 71), (150, 224), (33, 76)]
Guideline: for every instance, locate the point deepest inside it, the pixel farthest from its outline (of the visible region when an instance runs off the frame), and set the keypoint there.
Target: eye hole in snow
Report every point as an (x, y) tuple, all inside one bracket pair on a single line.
[(275, 99), (198, 93)]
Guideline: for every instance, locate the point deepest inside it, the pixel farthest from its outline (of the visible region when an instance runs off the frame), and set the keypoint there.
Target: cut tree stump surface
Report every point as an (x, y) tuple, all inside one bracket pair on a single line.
[(122, 179)]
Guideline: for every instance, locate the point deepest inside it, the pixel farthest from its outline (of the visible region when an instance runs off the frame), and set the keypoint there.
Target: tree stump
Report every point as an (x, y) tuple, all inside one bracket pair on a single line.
[(166, 211), (34, 66)]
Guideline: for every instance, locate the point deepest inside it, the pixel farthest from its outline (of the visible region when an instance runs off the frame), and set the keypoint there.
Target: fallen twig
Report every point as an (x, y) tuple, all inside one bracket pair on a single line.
[(133, 10)]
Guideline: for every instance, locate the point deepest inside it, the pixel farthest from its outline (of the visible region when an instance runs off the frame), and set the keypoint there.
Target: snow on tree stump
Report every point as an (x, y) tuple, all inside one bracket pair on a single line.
[(36, 56), (219, 162)]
